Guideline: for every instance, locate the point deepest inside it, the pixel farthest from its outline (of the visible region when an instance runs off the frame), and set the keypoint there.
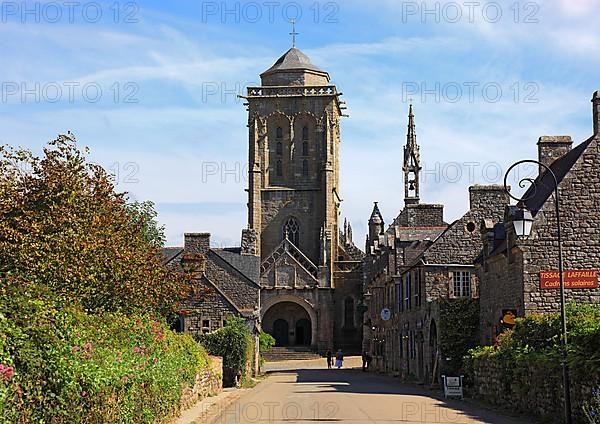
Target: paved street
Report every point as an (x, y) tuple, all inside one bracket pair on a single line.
[(349, 396)]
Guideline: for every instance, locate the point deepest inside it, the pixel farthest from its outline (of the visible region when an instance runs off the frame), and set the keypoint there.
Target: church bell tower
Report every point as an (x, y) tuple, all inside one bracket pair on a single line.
[(294, 140)]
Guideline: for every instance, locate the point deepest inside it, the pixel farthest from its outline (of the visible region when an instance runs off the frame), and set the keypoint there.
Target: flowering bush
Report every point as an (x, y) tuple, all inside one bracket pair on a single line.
[(68, 366)]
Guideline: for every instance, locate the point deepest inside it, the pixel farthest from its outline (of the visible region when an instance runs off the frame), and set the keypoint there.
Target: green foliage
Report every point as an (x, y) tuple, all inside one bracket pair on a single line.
[(459, 332), (233, 342), (74, 367), (65, 231), (145, 215), (266, 341), (80, 280), (530, 356)]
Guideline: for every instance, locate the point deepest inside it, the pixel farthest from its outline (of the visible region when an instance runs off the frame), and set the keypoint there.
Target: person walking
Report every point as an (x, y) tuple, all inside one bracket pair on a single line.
[(339, 359), (364, 360), (329, 359)]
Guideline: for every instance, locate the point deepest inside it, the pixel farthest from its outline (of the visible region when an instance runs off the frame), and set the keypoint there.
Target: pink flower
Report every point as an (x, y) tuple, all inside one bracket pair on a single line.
[(136, 350), (75, 348), (83, 393), (7, 372), (88, 346), (155, 360)]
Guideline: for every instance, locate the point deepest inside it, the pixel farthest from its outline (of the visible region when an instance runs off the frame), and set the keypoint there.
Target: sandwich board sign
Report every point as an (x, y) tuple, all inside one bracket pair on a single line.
[(453, 386)]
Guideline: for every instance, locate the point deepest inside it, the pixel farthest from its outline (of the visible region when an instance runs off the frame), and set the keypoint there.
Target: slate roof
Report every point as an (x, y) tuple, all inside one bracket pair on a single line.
[(293, 60), (247, 265), (169, 253), (539, 192)]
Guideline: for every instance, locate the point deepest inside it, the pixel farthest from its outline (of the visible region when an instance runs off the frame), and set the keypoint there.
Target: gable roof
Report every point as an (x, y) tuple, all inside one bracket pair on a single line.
[(543, 186), (244, 312)]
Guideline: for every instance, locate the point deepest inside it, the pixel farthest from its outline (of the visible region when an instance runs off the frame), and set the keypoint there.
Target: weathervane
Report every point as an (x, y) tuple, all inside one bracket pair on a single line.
[(294, 33)]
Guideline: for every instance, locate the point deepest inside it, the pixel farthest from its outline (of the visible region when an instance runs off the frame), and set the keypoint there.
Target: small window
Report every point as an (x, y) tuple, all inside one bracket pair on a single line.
[(471, 227), (279, 132), (305, 168), (279, 148), (305, 133), (205, 325), (279, 168), (305, 148), (462, 283)]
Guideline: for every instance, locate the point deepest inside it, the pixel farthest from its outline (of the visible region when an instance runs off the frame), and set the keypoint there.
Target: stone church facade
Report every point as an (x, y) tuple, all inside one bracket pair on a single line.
[(310, 271)]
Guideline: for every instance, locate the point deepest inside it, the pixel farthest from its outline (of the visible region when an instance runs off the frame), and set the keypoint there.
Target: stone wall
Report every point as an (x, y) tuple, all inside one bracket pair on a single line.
[(422, 215), (534, 389), (209, 381)]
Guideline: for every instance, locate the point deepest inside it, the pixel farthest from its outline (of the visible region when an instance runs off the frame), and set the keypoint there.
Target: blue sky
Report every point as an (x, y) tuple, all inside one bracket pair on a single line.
[(167, 120)]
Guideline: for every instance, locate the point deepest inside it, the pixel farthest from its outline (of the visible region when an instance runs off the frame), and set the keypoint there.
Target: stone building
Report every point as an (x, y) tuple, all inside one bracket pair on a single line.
[(509, 266), (310, 271), (224, 282), (416, 265)]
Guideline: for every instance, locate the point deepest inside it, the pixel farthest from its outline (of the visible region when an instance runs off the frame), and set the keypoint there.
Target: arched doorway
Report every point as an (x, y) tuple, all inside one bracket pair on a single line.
[(299, 321), (281, 331), (303, 332)]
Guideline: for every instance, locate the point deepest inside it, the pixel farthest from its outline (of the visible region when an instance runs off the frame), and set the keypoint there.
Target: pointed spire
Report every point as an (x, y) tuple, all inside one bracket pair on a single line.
[(412, 161), (376, 217)]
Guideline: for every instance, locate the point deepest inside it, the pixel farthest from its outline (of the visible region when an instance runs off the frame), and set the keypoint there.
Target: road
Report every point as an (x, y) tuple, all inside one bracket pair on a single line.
[(308, 393)]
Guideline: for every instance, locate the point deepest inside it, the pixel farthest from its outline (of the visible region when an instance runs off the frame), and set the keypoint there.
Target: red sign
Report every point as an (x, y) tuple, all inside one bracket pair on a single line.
[(582, 279)]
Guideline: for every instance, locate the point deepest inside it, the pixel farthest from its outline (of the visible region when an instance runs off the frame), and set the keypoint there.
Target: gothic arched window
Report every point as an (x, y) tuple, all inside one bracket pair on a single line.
[(279, 132), (279, 148), (291, 229), (305, 133), (279, 168), (305, 148), (349, 312), (305, 168)]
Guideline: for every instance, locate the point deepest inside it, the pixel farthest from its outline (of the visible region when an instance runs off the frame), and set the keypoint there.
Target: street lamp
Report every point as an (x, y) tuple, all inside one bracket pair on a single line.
[(522, 224)]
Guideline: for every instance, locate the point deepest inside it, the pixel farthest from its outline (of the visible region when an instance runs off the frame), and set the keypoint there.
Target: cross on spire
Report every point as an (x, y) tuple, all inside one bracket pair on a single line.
[(294, 33)]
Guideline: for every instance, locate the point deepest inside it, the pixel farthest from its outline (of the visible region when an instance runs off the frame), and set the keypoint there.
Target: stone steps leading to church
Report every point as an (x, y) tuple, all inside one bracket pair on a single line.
[(279, 353)]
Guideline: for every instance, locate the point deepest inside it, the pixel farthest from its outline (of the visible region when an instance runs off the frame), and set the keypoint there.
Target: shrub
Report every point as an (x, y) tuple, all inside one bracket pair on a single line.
[(73, 367), (266, 341), (234, 343)]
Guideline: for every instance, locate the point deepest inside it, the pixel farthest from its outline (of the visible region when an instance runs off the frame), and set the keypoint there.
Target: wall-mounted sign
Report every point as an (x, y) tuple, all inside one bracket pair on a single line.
[(574, 279), (386, 314), (508, 317)]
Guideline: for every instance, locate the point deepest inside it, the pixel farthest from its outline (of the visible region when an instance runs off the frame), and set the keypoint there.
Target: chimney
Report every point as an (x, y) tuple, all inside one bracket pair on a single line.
[(196, 243), (552, 147), (596, 109), (489, 199)]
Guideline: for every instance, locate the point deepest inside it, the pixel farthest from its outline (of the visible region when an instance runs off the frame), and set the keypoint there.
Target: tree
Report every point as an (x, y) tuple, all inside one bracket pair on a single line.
[(145, 215), (66, 232)]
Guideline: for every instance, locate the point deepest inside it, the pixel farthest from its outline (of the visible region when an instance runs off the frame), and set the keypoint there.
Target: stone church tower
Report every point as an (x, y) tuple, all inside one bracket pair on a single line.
[(293, 202)]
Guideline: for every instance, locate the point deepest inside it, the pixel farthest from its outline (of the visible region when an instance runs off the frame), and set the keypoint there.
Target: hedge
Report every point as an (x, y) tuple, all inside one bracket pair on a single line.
[(73, 367), (524, 370)]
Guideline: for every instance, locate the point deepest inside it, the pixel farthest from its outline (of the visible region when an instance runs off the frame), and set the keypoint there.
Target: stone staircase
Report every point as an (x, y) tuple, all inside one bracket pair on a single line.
[(296, 353)]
